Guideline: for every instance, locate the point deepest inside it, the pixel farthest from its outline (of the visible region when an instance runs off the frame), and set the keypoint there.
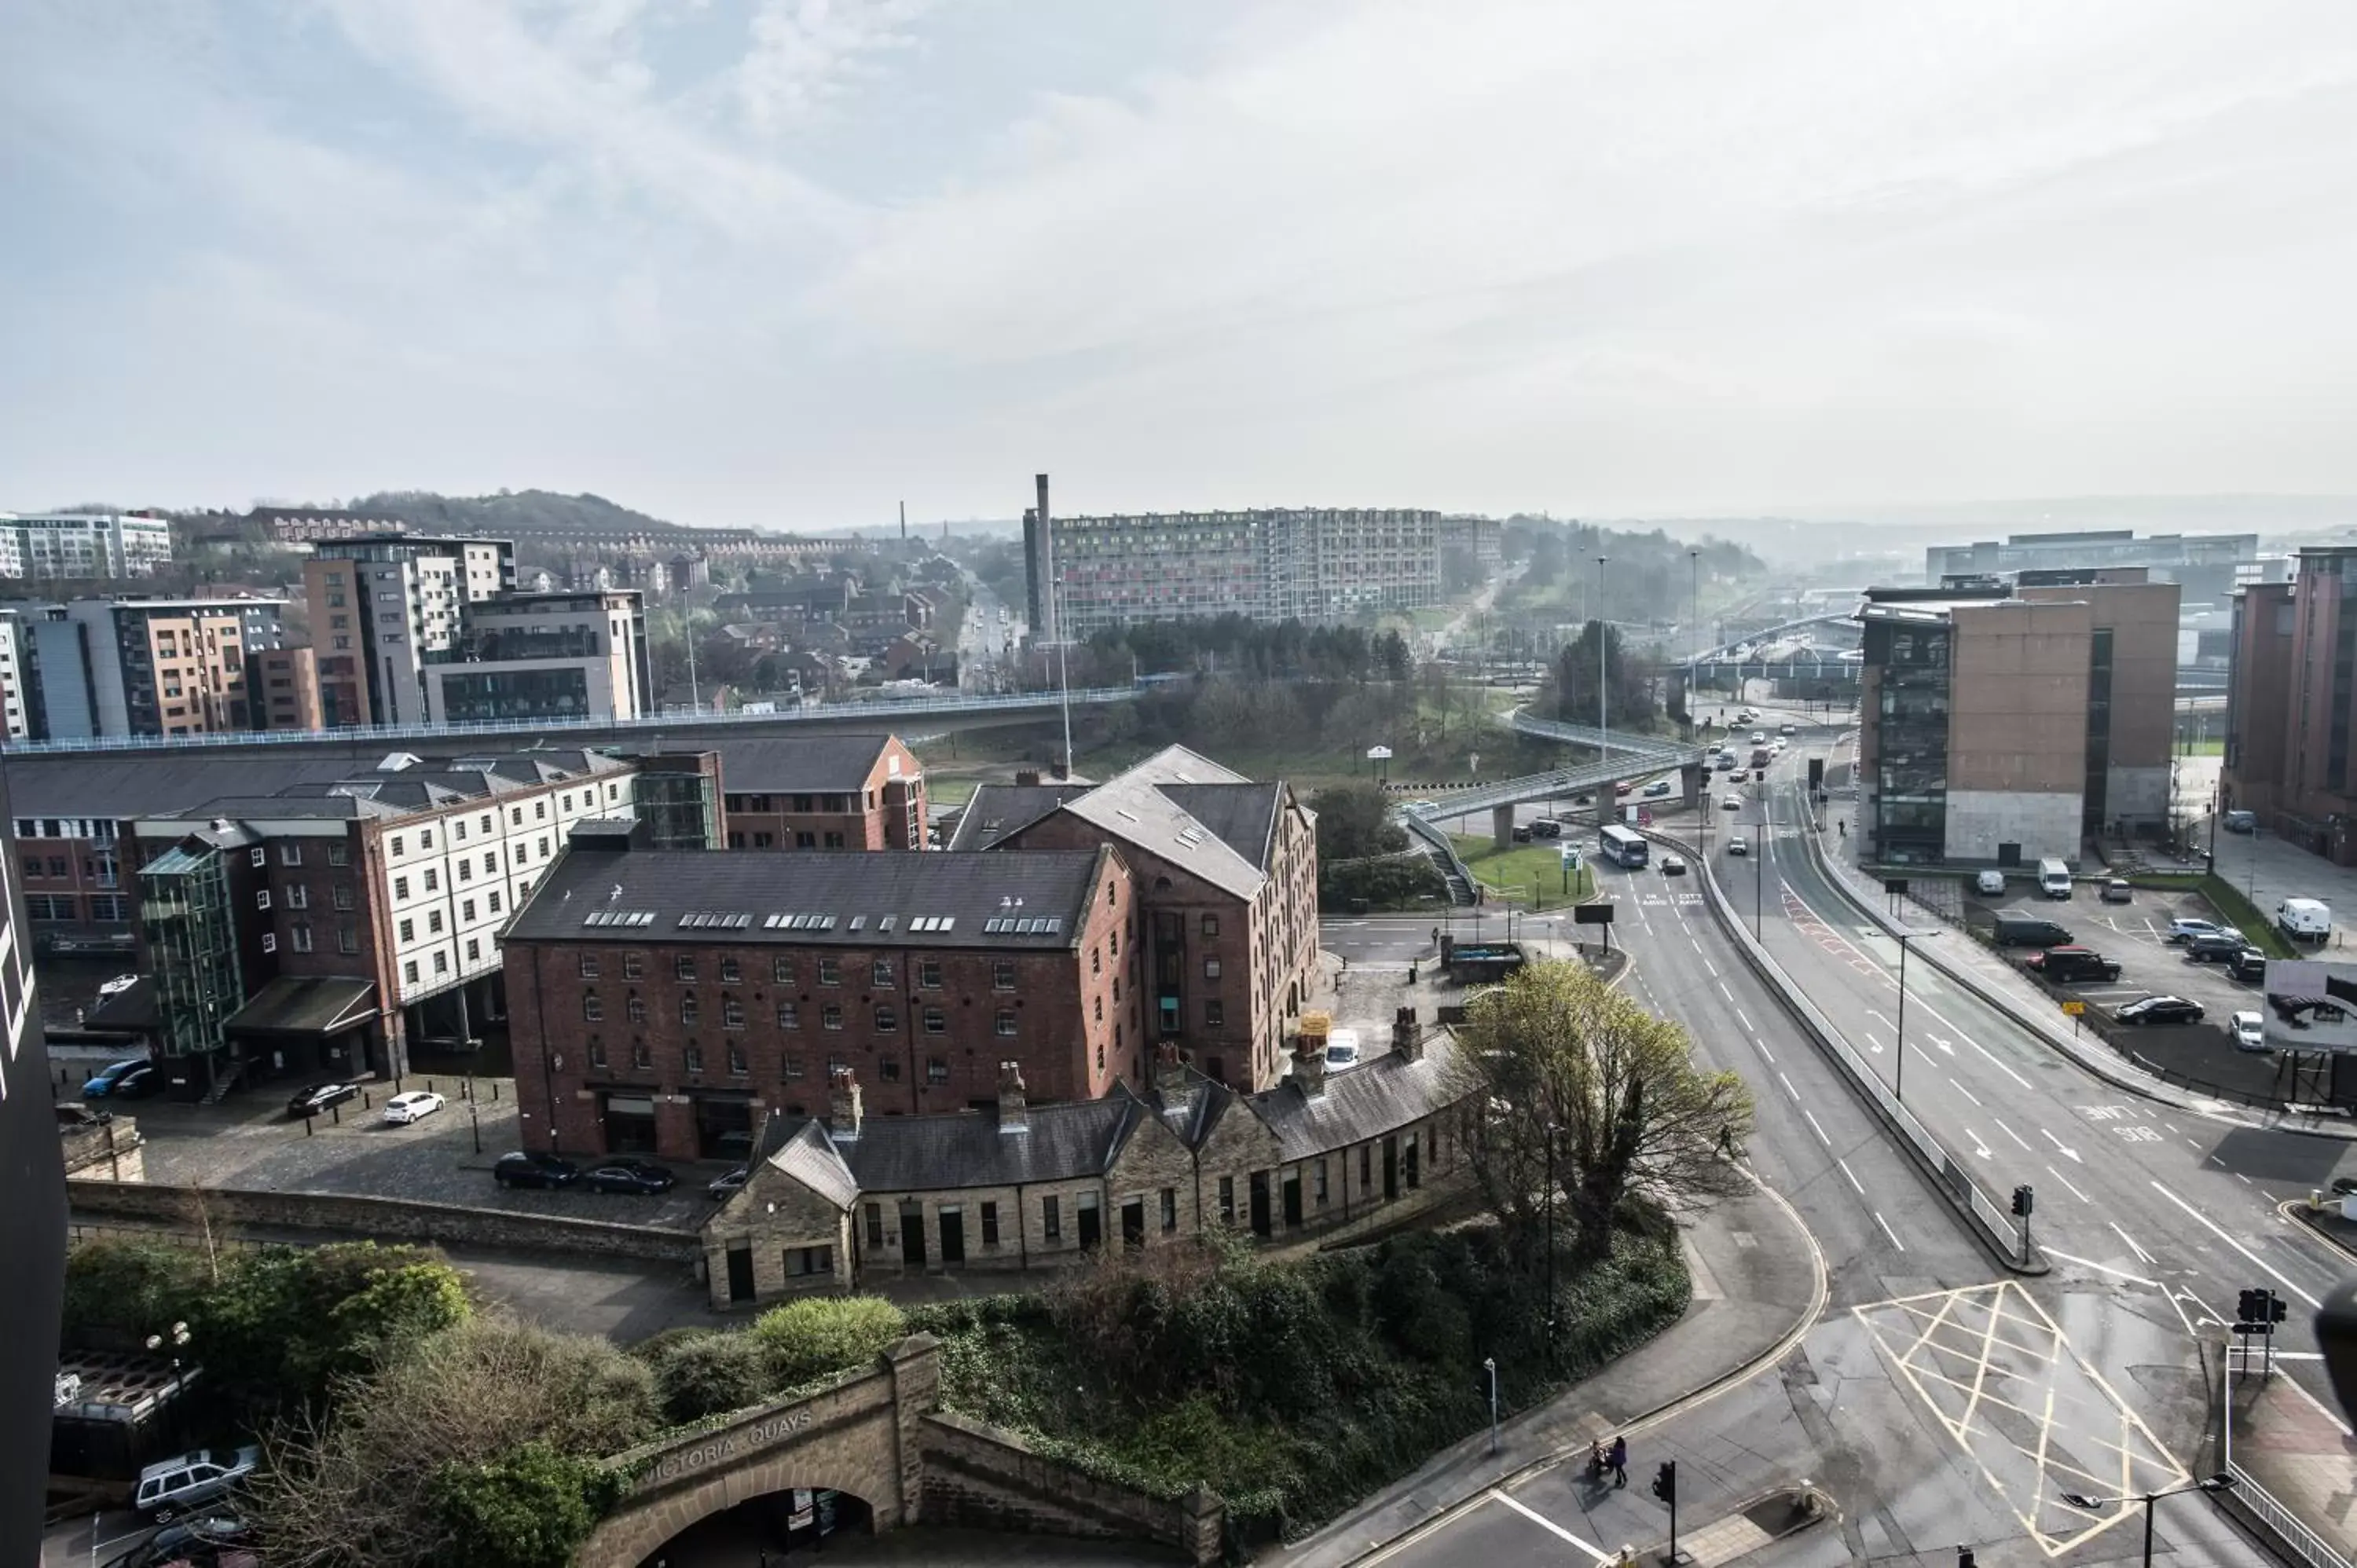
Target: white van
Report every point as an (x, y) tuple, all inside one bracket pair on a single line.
[(2304, 919), (2053, 878)]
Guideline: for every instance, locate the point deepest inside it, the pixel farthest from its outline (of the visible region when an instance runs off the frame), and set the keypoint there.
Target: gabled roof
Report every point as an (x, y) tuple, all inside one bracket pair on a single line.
[(1243, 816), (1372, 1099), (1000, 810), (805, 1152), (1133, 809), (834, 764), (969, 1148), (1176, 805)]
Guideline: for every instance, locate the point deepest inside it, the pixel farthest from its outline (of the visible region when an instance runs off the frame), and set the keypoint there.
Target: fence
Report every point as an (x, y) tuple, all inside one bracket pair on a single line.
[(2254, 1498)]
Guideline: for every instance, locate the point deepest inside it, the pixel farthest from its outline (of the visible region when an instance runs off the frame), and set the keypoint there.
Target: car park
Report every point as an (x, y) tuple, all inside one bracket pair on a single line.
[(2117, 891), (1738, 846), (523, 1167), (2159, 1010), (170, 1487), (1990, 883), (415, 1106), (1672, 866), (2304, 919), (628, 1176), (2014, 929), (319, 1097), (2249, 1031), (123, 1080)]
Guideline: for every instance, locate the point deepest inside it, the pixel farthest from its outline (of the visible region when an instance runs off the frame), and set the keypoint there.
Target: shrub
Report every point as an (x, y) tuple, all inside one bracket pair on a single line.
[(812, 1337), (530, 1508), (707, 1372), (119, 1288)]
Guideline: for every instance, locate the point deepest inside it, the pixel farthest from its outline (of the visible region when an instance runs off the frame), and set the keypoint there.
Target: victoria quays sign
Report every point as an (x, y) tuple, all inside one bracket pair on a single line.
[(725, 1447)]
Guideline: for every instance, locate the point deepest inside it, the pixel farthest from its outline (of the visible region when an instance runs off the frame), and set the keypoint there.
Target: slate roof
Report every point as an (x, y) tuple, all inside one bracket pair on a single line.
[(836, 764), (872, 898), (1378, 1097), (1243, 816), (1000, 810), (1064, 1141), (807, 1154), (306, 1006), (192, 788), (1133, 809)]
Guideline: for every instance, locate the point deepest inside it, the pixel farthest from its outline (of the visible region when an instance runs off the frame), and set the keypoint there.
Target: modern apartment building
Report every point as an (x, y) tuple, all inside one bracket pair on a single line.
[(554, 656), (828, 791), (83, 544), (2002, 726), (1227, 893), (144, 667), (382, 607), (2291, 701), (1482, 538), (18, 699), (1312, 566), (664, 1002), (282, 689)]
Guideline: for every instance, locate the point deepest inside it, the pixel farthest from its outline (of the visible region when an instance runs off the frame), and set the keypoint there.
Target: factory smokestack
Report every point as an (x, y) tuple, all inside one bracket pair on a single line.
[(1047, 625)]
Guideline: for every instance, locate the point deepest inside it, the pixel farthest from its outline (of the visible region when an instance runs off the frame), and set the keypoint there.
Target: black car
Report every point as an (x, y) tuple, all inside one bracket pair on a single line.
[(2215, 948), (320, 1097), (2248, 964), (523, 1168), (1546, 828), (627, 1176), (2160, 1010)]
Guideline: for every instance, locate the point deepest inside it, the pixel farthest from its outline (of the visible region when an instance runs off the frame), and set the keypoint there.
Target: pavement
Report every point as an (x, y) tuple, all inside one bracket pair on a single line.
[(2296, 1448), (1758, 1284), (2269, 869)]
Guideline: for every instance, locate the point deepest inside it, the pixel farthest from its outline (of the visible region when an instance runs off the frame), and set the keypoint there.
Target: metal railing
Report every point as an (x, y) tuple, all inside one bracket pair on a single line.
[(2263, 1505), (1525, 722), (882, 709)]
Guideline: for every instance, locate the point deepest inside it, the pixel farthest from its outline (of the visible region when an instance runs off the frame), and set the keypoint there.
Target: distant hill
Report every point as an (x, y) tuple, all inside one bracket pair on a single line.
[(513, 511)]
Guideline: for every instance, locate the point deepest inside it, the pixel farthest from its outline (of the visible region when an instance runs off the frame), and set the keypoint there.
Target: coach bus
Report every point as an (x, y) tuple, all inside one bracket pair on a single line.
[(1623, 846)]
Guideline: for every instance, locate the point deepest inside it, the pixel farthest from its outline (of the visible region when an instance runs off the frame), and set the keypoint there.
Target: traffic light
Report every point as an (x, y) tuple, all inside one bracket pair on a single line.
[(2255, 1310), (2276, 1308), (1963, 1557), (1666, 1483), (2023, 1198)]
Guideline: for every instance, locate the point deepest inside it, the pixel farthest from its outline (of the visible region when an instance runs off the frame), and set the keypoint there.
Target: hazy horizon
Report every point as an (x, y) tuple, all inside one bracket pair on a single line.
[(790, 262)]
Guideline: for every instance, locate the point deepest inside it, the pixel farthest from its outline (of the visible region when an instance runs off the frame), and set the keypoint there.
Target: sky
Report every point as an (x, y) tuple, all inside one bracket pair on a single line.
[(791, 263)]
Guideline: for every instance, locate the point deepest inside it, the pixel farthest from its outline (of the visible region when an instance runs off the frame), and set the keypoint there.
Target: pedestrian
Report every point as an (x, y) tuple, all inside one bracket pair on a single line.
[(1618, 1458), (1726, 1139)]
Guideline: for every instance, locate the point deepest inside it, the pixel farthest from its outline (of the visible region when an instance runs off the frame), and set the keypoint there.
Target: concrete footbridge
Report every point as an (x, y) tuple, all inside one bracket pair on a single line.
[(1821, 648), (1624, 757)]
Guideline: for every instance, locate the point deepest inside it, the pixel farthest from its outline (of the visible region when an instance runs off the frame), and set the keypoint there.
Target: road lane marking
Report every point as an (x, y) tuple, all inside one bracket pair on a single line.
[(1743, 1019), (1958, 1086), (1723, 990), (2066, 1181), (2105, 1269), (1820, 1132), (1978, 1147), (2065, 1150), (2011, 1133), (1886, 1230), (1546, 1523), (1788, 1088), (1853, 1176), (2142, 1256), (2277, 1275)]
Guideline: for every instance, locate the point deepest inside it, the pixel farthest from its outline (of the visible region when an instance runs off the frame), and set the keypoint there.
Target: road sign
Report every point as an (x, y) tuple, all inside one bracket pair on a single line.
[(1592, 915), (1379, 754), (2074, 1009)]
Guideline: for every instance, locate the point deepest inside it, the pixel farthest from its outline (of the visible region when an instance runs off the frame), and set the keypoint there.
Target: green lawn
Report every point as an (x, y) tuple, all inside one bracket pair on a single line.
[(1530, 871)]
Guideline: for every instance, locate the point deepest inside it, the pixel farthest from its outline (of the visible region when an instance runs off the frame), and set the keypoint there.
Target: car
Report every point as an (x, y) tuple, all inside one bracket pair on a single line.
[(2215, 948), (1672, 866), (1522, 832), (1657, 789), (1990, 883), (2239, 822), (1739, 846), (1341, 1050), (170, 1487), (114, 1078), (320, 1097), (206, 1541), (1546, 828), (2159, 1010), (415, 1106), (627, 1176), (2184, 930), (1741, 776), (2067, 965), (73, 1115), (728, 1183), (2248, 964), (1726, 761), (1788, 727), (2117, 891), (1730, 804), (522, 1167), (1622, 788), (2249, 1032)]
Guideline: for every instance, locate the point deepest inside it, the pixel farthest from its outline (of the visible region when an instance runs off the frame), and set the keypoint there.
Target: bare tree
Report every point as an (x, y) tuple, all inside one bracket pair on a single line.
[(1575, 1078)]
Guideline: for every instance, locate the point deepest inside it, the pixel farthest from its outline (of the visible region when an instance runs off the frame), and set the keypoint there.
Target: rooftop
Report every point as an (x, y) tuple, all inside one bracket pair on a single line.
[(832, 764), (179, 788)]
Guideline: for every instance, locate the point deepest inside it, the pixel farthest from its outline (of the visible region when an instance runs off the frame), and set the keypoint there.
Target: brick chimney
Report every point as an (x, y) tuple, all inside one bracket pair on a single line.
[(1027, 778), (1308, 1066), (1014, 1115), (1407, 1036), (1171, 1073), (843, 1105)]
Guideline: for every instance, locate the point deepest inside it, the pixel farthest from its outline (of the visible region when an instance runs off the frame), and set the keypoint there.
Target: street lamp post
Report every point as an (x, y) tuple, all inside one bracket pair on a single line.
[(1900, 1045), (1490, 1365), (1550, 1245), (2217, 1483), (1759, 887), (1603, 722), (177, 1340)]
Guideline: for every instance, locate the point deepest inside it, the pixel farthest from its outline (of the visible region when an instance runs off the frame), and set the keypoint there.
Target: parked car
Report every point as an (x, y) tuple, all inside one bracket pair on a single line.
[(522, 1167), (1739, 846), (415, 1106), (1657, 789), (2072, 965), (2249, 1031), (2160, 1010), (170, 1487), (1673, 866), (1546, 828), (2185, 931), (2304, 919), (2117, 891), (1729, 803), (1990, 883), (2239, 822), (319, 1097), (2248, 964), (2215, 948), (123, 1080), (628, 1176), (728, 1183), (2019, 930), (1522, 832), (73, 1113), (1341, 1050)]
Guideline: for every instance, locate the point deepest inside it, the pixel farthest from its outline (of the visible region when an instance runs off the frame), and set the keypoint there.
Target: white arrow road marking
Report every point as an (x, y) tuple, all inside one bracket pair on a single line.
[(2065, 1150), (1978, 1147), (2213, 1227), (2011, 1133), (1944, 1044)]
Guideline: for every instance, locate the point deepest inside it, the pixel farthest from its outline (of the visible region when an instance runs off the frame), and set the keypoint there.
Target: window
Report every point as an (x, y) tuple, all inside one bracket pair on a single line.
[(490, 864), (632, 966), (426, 838), (261, 895), (1211, 969), (1210, 925), (990, 1225), (1051, 1220), (441, 961), (1099, 1008), (408, 929), (888, 1068), (834, 841), (466, 869), (1227, 1200), (789, 1015), (1366, 1167), (32, 865), (398, 847), (588, 966), (636, 1007), (687, 1009), (881, 972), (298, 896), (887, 1019), (543, 846), (1096, 961), (781, 969), (474, 950), (540, 809), (875, 1225), (794, 1064), (290, 854), (348, 938), (830, 1016), (732, 1012), (737, 1058), (1215, 1015), (928, 974), (937, 1021), (641, 1057), (466, 912), (683, 967), (1317, 1182), (597, 1052), (409, 971), (340, 895), (593, 1008), (937, 1069), (1004, 1024), (730, 974), (434, 922), (339, 854), (695, 1056), (800, 1260), (492, 901), (1169, 1209), (1002, 974), (805, 841), (830, 971)]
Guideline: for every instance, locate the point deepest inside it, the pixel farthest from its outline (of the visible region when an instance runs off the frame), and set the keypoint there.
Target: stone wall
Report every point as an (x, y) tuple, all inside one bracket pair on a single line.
[(982, 1477), (109, 1153), (383, 1218)]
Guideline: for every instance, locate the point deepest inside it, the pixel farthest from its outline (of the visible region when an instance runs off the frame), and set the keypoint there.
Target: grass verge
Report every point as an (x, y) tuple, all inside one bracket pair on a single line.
[(1532, 871)]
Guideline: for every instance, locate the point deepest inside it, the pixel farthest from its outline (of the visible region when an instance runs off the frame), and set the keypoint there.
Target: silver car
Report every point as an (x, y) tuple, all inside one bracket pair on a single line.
[(170, 1487)]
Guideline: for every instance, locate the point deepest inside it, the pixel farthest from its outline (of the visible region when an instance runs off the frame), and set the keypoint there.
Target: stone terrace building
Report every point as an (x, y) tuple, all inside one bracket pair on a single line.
[(1227, 889), (665, 1002), (833, 1203)]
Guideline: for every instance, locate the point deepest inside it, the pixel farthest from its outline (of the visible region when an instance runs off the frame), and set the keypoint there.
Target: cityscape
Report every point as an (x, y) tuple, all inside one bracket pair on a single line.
[(1318, 925)]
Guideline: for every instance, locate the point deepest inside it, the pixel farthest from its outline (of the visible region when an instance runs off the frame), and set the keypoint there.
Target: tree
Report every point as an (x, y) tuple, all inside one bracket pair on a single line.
[(1354, 821), (1633, 1115), (1629, 689), (528, 1509)]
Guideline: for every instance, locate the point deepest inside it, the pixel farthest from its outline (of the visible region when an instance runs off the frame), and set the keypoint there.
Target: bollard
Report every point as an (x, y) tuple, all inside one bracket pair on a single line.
[(495, 1092), (429, 1086), (335, 1115), (307, 1129), (364, 1099)]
